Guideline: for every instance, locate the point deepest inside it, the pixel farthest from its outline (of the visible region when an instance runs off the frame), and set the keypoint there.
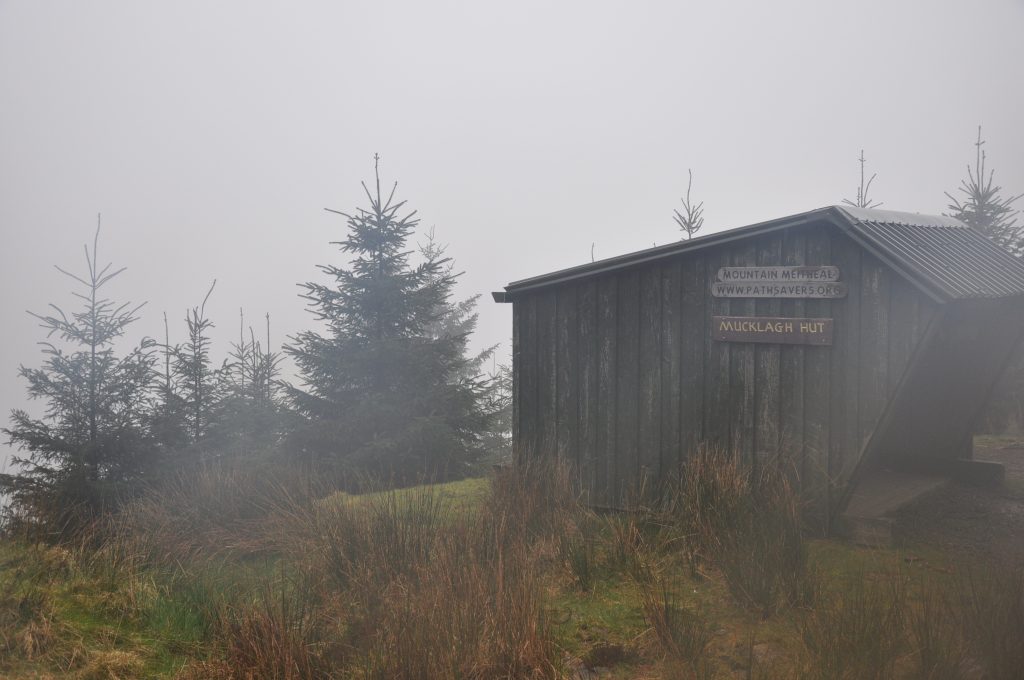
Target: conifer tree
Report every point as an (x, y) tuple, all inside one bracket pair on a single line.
[(197, 380), (691, 219), (863, 200), (249, 417), (168, 420), (380, 392), (91, 446), (985, 208)]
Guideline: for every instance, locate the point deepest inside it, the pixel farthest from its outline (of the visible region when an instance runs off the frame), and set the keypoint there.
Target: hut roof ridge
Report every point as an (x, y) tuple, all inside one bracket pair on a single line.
[(940, 254)]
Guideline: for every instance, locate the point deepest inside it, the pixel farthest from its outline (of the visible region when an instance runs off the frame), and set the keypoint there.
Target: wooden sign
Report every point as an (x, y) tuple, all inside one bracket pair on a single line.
[(813, 274), (772, 329), (800, 289)]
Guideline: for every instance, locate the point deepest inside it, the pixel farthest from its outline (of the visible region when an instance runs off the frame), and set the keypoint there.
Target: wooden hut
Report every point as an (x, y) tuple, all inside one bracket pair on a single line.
[(852, 339)]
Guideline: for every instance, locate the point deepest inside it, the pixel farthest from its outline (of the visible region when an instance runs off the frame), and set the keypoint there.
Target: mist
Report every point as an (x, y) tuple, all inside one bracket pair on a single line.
[(211, 137)]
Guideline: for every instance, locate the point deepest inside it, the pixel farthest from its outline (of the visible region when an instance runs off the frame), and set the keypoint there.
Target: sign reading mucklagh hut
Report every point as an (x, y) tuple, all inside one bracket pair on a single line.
[(772, 329)]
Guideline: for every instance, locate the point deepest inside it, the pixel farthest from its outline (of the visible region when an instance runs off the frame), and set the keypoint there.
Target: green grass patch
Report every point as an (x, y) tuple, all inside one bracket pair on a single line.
[(460, 494)]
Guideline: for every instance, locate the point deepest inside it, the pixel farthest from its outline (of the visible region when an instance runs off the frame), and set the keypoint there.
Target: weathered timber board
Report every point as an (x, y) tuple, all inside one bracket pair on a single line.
[(767, 440), (587, 382), (649, 435), (628, 388), (607, 365), (671, 361), (568, 370)]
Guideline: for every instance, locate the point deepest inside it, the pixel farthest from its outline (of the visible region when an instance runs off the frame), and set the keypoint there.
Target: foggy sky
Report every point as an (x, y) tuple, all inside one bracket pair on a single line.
[(212, 135)]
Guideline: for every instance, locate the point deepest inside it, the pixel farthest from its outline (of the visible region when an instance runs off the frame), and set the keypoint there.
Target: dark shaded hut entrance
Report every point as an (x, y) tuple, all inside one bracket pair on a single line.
[(852, 339)]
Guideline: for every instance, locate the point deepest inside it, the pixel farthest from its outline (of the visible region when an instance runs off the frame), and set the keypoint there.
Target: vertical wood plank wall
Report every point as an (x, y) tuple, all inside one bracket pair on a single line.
[(618, 373)]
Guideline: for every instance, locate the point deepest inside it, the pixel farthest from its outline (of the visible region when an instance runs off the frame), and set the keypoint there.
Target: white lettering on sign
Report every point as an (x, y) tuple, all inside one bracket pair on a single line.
[(831, 289), (779, 330), (779, 274)]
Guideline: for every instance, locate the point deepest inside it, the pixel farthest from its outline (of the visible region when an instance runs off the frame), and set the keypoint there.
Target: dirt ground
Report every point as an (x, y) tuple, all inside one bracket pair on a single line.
[(977, 523)]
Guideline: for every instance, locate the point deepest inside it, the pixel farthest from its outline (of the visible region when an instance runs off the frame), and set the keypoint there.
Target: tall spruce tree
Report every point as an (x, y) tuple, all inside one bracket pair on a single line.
[(91, 447), (984, 207), (381, 393)]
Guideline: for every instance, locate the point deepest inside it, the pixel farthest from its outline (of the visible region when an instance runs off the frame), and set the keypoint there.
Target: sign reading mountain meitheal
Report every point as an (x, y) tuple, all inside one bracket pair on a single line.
[(779, 282), (778, 274)]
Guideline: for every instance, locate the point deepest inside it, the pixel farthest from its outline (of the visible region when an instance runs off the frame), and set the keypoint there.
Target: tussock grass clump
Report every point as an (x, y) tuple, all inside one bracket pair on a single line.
[(629, 547), (111, 665), (421, 587), (464, 614), (747, 524), (533, 499), (854, 630), (577, 550), (279, 636), (934, 631), (27, 620), (992, 606), (391, 533), (683, 633)]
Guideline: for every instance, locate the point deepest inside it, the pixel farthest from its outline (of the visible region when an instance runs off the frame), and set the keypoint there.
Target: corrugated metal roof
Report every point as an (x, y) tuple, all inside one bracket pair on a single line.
[(940, 254)]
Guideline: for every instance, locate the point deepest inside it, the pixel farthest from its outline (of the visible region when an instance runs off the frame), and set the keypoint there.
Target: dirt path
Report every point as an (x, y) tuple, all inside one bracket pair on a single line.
[(984, 524)]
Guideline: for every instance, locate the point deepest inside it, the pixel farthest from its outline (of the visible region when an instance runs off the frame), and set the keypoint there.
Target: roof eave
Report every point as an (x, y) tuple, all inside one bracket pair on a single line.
[(643, 256)]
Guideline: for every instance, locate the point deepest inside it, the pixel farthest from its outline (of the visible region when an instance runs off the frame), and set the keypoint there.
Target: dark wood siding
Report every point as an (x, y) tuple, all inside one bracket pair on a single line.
[(618, 374)]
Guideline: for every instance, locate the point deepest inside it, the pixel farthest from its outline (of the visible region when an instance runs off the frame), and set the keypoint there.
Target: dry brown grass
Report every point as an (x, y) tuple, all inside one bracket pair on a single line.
[(402, 584), (215, 510), (409, 584), (745, 523), (277, 637), (992, 610), (27, 620), (854, 630), (683, 633), (112, 665)]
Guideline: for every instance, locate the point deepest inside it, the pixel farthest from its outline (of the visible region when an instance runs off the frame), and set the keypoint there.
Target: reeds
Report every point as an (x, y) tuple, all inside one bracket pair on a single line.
[(746, 523), (854, 629), (682, 632), (992, 607)]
